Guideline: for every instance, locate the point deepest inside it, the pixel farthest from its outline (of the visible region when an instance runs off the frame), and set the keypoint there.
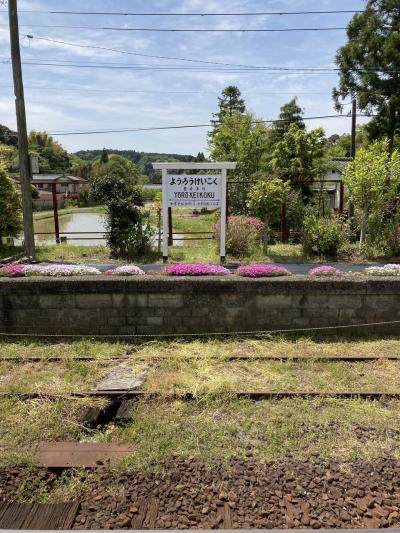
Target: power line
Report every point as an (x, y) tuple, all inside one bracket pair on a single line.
[(180, 68), (117, 50), (205, 14), (208, 125), (83, 88), (188, 126), (179, 30)]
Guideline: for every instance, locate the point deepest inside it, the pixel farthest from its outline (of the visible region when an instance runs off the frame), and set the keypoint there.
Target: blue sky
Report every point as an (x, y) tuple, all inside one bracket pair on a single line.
[(61, 98)]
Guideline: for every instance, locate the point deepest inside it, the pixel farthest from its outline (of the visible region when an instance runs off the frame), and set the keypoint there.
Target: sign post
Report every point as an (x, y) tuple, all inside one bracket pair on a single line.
[(194, 190)]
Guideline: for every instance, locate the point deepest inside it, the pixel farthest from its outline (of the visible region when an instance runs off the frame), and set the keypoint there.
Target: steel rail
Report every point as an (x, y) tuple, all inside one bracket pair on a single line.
[(222, 359), (122, 394)]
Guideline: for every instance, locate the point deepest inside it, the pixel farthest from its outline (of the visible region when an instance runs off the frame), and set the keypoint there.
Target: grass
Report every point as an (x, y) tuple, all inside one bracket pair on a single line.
[(222, 428), (101, 350), (55, 378), (23, 424), (201, 377), (215, 425)]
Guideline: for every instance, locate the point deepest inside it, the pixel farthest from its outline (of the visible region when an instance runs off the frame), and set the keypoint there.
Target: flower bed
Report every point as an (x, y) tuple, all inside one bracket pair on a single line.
[(19, 270), (262, 271), (196, 269), (13, 271), (325, 270), (386, 270), (125, 270), (60, 270)]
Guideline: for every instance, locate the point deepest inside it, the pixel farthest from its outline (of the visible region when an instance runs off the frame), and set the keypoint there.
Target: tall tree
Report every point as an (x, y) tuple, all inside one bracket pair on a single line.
[(290, 113), (369, 66), (300, 155), (240, 138), (104, 156), (230, 103)]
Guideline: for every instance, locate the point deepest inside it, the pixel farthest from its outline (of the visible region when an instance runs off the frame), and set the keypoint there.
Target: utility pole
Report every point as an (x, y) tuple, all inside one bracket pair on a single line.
[(353, 147), (24, 166)]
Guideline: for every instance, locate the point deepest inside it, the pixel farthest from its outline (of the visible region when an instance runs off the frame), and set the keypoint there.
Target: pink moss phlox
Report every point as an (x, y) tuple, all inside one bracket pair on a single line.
[(325, 270), (125, 270), (262, 271), (13, 270), (196, 269)]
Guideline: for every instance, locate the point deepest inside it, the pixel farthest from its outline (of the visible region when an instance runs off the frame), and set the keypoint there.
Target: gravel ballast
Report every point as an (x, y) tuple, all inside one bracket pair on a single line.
[(244, 492)]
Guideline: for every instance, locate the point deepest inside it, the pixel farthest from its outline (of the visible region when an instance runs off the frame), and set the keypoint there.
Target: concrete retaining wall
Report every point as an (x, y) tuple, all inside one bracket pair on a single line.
[(150, 305)]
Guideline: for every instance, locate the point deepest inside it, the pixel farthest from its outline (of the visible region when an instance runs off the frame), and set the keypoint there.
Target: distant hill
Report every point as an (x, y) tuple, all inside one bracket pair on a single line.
[(143, 159)]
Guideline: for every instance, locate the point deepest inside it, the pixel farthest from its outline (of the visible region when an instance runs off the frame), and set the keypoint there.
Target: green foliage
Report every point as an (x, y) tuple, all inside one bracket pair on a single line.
[(242, 235), (52, 156), (8, 136), (368, 66), (290, 113), (128, 231), (243, 139), (323, 236), (10, 205), (300, 155), (104, 156), (265, 200), (229, 103), (144, 160), (117, 166), (373, 181)]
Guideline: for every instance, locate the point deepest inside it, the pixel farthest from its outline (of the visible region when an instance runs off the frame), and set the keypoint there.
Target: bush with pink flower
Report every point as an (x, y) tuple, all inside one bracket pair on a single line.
[(243, 234), (196, 269), (325, 271), (262, 271), (125, 270)]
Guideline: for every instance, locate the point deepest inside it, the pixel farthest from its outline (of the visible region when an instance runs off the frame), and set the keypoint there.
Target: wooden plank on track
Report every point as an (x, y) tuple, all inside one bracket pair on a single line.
[(228, 524), (137, 521), (15, 515), (38, 515), (152, 513), (79, 454)]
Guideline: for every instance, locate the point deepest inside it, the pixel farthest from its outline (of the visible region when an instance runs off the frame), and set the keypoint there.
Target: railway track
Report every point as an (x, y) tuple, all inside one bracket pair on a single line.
[(283, 358), (123, 394)]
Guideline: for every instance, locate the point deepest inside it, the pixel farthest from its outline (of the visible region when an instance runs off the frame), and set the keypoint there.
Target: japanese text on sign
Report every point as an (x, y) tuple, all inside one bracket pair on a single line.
[(194, 190)]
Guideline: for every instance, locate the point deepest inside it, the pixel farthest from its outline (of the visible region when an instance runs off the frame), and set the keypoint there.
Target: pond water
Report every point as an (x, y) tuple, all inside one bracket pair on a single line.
[(90, 223), (74, 222)]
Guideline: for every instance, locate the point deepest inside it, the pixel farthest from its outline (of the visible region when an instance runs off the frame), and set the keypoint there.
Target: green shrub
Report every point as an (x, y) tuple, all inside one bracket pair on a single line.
[(323, 236), (243, 235)]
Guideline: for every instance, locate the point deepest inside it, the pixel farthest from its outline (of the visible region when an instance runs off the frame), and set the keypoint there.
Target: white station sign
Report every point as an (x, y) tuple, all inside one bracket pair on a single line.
[(194, 190)]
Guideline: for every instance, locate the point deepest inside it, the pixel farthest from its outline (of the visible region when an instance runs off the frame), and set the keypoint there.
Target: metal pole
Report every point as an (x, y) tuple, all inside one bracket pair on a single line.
[(55, 211), (223, 215), (165, 214), (170, 234), (24, 173)]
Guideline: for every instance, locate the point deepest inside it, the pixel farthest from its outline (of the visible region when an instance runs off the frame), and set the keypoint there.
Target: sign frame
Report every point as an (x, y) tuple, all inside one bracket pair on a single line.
[(168, 166)]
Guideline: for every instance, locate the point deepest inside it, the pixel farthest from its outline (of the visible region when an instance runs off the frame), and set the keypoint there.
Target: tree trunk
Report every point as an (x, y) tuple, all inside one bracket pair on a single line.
[(265, 236), (363, 231)]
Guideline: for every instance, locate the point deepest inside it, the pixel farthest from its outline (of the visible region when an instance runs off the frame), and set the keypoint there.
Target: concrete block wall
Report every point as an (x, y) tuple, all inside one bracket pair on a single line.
[(157, 306)]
